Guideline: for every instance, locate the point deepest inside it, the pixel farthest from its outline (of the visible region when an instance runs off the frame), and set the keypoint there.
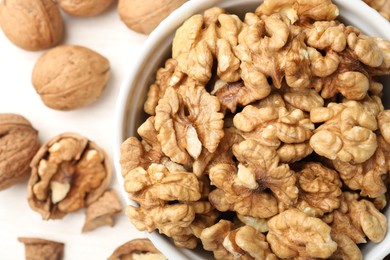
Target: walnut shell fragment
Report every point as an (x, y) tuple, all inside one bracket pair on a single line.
[(31, 24), (69, 77), (102, 211), (37, 248), (137, 249), (69, 172), (18, 144), (84, 8)]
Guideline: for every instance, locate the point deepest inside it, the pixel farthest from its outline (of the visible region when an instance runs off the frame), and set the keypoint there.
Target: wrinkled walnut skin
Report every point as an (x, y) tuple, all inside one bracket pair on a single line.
[(73, 201), (18, 144), (69, 77), (31, 24), (84, 7)]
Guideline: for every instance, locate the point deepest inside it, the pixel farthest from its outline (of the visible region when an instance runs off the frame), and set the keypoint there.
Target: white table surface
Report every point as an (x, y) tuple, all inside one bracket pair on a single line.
[(107, 35)]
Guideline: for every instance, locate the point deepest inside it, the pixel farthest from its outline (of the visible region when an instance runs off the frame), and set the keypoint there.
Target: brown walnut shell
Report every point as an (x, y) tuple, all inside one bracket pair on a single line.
[(84, 7), (68, 77), (31, 24), (69, 172), (18, 145), (144, 16)]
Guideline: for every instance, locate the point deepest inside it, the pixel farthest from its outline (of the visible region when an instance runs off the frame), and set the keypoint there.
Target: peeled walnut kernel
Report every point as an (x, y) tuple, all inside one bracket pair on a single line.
[(144, 16), (358, 218), (384, 124), (319, 189), (84, 7), (69, 77), (157, 184), (294, 234), (302, 9), (368, 177), (215, 35), (37, 248), (69, 172), (18, 145), (347, 132), (137, 249), (346, 248), (244, 242), (31, 24), (181, 123)]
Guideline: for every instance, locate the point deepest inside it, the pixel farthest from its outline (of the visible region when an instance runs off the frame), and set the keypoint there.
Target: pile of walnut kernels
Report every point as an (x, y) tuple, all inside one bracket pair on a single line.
[(267, 137)]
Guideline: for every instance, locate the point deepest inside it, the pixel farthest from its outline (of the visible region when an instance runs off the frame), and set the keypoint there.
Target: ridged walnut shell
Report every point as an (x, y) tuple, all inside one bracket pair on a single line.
[(143, 16), (84, 7), (31, 24), (69, 77), (69, 172), (18, 145)]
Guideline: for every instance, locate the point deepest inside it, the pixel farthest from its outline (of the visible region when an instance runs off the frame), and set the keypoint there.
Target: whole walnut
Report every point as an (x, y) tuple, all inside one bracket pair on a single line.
[(31, 24), (143, 16), (84, 7), (69, 76), (18, 145)]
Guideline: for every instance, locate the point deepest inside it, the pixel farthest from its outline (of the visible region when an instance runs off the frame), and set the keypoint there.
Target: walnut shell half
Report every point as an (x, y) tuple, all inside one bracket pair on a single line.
[(137, 249), (31, 24), (68, 77), (69, 172), (18, 145)]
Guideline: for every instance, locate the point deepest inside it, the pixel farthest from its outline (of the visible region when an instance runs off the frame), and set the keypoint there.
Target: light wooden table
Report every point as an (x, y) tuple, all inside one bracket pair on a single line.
[(107, 35)]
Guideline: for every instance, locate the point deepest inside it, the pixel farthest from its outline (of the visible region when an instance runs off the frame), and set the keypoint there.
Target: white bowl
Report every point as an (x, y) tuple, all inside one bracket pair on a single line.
[(129, 111)]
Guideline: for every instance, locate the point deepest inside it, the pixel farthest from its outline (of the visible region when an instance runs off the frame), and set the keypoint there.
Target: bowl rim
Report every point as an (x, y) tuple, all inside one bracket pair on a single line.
[(166, 28)]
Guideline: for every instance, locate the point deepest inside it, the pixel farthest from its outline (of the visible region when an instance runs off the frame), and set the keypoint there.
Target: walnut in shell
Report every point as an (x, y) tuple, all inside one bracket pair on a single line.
[(37, 248), (69, 172), (144, 15), (68, 77), (84, 7), (137, 249), (102, 211), (31, 24), (18, 145)]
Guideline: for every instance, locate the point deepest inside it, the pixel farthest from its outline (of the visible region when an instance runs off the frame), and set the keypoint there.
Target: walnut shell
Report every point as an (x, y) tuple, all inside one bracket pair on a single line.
[(143, 16), (31, 24), (69, 172), (68, 77), (18, 145), (137, 249), (38, 248), (84, 7)]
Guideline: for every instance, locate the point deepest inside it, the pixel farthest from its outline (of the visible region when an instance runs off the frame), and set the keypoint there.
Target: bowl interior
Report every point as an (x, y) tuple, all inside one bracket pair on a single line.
[(129, 111)]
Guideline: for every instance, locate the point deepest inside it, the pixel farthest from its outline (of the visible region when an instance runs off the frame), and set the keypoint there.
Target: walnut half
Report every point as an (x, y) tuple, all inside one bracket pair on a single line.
[(69, 172)]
